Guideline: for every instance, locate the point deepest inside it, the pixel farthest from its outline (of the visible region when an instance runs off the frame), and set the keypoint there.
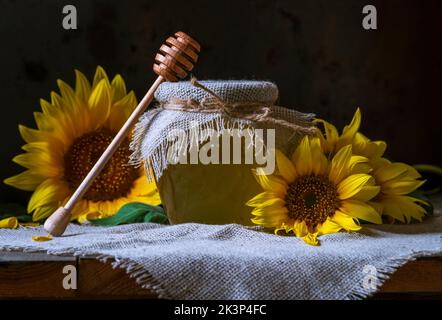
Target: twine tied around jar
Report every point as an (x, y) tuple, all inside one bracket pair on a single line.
[(253, 111)]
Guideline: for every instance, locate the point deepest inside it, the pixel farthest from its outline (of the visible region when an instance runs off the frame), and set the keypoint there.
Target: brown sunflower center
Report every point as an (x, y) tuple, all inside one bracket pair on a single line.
[(117, 177), (311, 199)]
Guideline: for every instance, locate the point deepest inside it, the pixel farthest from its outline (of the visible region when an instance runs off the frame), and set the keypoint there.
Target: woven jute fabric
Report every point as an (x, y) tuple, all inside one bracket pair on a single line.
[(150, 143), (196, 261)]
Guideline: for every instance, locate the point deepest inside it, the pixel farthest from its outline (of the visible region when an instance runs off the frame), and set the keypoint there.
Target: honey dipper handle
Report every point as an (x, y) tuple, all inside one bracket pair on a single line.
[(113, 146)]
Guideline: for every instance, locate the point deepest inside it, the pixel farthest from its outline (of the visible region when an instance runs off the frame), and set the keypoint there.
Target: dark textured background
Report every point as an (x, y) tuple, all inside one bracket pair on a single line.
[(315, 50)]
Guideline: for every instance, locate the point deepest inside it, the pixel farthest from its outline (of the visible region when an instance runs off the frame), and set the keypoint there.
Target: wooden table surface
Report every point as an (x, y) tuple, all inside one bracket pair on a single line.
[(40, 276)]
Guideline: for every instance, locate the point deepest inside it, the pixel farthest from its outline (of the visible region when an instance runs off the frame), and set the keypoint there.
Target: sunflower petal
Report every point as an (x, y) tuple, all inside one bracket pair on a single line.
[(401, 187), (121, 110), (367, 193), (345, 221), (402, 208), (118, 88), (271, 219), (351, 185), (262, 199), (40, 163), (26, 180), (100, 75), (331, 136), (378, 206), (349, 131), (43, 212), (100, 103), (82, 86), (277, 210), (68, 94), (47, 108), (340, 164), (302, 158), (141, 187), (329, 226), (319, 161), (370, 149), (311, 239), (390, 172), (9, 223), (29, 135), (271, 182), (360, 210), (300, 228), (285, 167), (49, 191)]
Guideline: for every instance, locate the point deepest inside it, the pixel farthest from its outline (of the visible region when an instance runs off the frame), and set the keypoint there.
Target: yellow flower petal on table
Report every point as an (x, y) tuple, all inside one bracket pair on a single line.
[(9, 223), (42, 238), (28, 224)]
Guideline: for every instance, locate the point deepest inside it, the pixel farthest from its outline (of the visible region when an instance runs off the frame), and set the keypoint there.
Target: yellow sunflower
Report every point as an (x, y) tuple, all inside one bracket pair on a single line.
[(72, 132), (396, 180), (310, 195)]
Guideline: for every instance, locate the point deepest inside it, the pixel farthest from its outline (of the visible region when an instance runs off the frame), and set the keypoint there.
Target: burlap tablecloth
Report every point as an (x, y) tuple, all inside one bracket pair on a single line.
[(195, 261)]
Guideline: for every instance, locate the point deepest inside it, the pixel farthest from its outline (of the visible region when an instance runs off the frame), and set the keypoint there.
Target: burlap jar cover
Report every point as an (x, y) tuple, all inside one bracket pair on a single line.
[(211, 193)]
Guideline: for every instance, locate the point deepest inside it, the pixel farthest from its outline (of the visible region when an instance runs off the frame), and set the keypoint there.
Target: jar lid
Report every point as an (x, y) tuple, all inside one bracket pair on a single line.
[(231, 91)]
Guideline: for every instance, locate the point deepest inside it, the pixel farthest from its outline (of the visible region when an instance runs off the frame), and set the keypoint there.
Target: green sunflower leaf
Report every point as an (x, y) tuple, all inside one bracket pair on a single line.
[(134, 212), (156, 217), (433, 176)]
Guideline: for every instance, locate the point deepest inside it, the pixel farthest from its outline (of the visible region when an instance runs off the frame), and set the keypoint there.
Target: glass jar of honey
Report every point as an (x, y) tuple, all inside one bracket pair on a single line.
[(203, 142)]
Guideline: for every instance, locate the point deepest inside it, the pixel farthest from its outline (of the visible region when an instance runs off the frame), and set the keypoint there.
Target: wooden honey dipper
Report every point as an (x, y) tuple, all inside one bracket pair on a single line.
[(174, 61)]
